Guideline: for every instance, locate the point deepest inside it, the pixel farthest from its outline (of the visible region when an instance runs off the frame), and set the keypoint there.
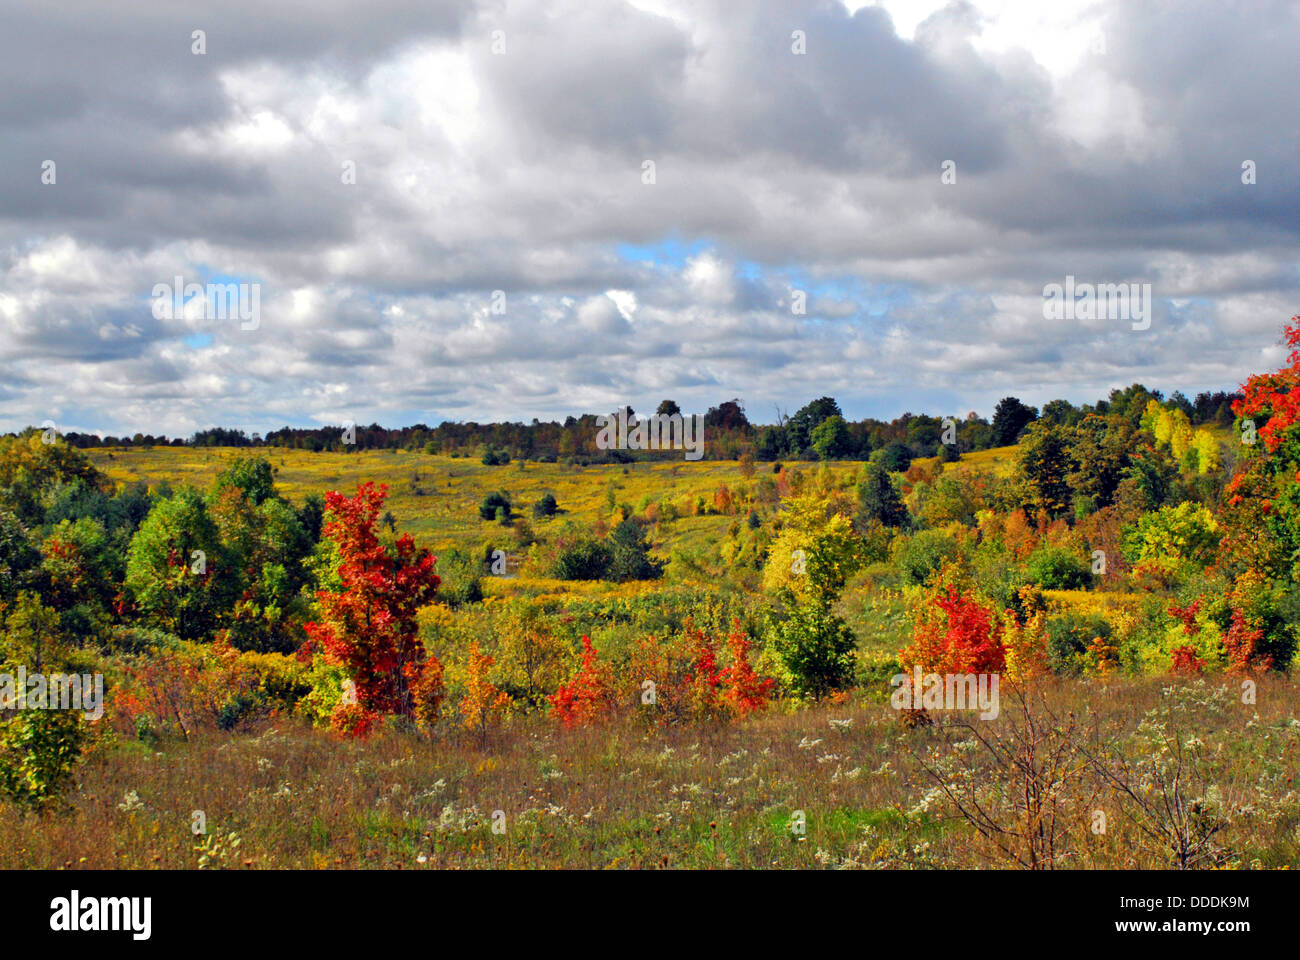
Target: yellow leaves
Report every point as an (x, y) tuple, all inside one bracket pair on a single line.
[(1025, 646), (482, 698), (1193, 448)]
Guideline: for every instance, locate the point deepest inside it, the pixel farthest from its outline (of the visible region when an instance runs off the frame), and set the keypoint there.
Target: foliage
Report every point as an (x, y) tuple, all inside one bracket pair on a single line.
[(482, 699), (369, 627), (588, 694), (1058, 568)]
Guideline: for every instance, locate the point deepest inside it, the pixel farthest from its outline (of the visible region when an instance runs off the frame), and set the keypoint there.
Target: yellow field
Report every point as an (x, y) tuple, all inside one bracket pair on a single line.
[(444, 511)]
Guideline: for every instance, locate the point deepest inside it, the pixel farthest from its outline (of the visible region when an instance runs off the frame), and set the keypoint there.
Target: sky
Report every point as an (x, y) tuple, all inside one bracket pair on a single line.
[(499, 211)]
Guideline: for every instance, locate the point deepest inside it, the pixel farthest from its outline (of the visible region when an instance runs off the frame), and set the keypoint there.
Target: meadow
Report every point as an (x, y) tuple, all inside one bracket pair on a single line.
[(840, 786), (408, 657)]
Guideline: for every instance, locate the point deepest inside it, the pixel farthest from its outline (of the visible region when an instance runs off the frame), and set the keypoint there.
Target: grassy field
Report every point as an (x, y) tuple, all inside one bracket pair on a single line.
[(1181, 772), (871, 792), (435, 498)]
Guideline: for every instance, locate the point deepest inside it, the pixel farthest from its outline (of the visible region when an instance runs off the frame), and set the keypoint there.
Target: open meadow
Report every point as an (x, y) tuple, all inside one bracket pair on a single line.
[(399, 657)]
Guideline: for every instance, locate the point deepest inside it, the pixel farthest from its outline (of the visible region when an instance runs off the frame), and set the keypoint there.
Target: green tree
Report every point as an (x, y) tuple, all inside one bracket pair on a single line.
[(1045, 461), (1010, 418), (878, 498), (39, 749), (831, 439), (18, 556), (815, 647), (253, 477), (492, 503), (177, 567), (629, 554)]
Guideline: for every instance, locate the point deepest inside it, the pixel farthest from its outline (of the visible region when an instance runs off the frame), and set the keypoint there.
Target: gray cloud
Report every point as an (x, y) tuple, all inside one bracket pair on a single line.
[(522, 172)]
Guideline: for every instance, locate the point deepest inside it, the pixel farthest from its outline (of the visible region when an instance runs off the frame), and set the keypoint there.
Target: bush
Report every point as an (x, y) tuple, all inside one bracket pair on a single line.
[(545, 506), (1068, 639), (816, 649), (1056, 568), (460, 578), (922, 554), (487, 510), (586, 559)]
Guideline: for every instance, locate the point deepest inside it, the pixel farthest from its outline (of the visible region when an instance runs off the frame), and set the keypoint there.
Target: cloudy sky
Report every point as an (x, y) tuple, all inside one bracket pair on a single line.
[(501, 153)]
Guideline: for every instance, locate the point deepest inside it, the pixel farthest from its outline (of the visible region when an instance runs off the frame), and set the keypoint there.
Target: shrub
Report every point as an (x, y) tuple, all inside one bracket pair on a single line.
[(815, 647), (588, 694), (586, 559), (460, 578), (955, 633), (545, 506), (629, 557), (922, 554), (492, 503), (1056, 568), (1069, 638)]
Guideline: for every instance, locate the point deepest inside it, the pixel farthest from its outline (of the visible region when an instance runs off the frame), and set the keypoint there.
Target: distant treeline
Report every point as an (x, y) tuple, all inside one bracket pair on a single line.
[(817, 431)]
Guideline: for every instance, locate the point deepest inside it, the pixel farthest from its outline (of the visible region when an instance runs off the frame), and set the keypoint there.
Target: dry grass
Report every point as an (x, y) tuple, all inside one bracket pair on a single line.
[(633, 796)]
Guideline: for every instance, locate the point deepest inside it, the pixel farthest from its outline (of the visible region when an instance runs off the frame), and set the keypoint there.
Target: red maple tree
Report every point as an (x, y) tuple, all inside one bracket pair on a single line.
[(369, 626), (744, 691), (964, 638), (587, 695)]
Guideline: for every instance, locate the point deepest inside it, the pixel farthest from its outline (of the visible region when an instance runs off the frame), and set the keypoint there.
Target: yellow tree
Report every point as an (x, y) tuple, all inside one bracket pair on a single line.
[(482, 699)]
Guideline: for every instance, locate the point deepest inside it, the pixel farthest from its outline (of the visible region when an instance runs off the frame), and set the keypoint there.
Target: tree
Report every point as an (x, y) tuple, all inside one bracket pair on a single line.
[(254, 477), (1062, 413), (668, 408), (482, 699), (178, 568), (831, 439), (492, 504), (1045, 462), (1171, 536), (955, 634), (369, 626), (545, 506), (728, 415), (878, 498), (895, 458), (815, 647), (18, 556), (629, 556), (587, 696), (1100, 455), (743, 690), (1009, 419), (39, 748)]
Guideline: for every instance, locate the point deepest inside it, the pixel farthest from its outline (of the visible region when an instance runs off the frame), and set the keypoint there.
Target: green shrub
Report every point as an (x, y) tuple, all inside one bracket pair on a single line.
[(459, 578), (487, 510), (629, 556), (816, 649), (586, 559), (920, 555), (1068, 638), (1056, 568)]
